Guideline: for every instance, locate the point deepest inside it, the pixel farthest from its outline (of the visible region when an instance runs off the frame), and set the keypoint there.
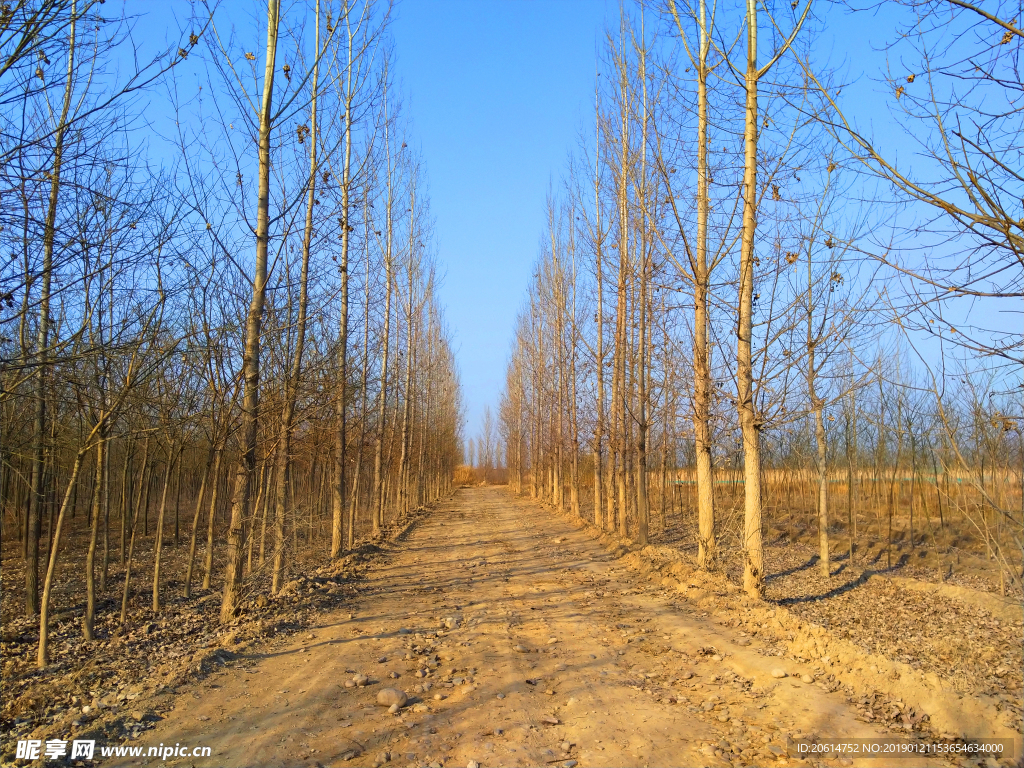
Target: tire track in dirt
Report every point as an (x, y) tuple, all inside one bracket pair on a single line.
[(552, 654)]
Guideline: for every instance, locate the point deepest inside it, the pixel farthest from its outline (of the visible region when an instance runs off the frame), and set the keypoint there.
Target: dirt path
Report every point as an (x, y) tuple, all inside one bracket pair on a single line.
[(554, 655)]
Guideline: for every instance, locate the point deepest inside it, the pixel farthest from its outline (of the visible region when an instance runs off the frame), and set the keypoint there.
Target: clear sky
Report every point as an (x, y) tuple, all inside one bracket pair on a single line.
[(497, 91)]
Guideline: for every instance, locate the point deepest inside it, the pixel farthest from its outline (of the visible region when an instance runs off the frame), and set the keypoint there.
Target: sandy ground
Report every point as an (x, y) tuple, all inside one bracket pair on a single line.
[(519, 641)]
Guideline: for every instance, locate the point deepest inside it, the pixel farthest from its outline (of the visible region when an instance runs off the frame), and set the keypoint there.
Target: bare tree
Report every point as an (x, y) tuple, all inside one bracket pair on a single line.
[(244, 475)]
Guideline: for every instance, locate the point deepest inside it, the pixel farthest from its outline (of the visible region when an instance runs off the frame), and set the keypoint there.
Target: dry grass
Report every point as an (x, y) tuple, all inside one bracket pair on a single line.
[(938, 521), (465, 475)]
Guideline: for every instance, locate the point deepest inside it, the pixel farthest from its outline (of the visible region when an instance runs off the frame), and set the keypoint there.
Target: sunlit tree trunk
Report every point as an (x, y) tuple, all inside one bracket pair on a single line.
[(599, 426), (106, 519), (817, 409), (750, 423), (619, 396), (341, 441), (642, 507), (410, 331), (281, 474), (241, 502), (707, 550), (620, 384), (851, 454), (126, 497), (378, 500), (753, 572), (353, 507), (572, 395)]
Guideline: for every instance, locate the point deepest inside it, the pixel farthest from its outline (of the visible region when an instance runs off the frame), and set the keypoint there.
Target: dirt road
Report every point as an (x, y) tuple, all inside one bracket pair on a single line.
[(514, 650)]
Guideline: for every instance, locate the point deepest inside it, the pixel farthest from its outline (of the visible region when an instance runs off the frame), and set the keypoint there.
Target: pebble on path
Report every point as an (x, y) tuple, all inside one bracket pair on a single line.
[(389, 697)]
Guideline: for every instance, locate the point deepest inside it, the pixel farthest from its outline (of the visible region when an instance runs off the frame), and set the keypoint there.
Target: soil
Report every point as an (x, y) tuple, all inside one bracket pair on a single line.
[(518, 640), (953, 623), (108, 689)]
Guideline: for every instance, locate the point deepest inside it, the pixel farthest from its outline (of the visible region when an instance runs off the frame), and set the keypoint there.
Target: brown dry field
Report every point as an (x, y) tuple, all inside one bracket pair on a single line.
[(520, 640), (896, 602)]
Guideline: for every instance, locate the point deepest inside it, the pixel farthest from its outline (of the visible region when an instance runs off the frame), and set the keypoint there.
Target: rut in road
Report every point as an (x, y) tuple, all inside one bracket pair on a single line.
[(552, 654)]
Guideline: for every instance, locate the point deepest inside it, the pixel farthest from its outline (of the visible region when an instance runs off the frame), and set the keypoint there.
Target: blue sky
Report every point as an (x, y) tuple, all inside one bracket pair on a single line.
[(497, 91)]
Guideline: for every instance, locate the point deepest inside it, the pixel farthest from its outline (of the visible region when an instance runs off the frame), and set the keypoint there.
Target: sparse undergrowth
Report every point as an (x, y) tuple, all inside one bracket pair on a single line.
[(114, 687), (977, 652)]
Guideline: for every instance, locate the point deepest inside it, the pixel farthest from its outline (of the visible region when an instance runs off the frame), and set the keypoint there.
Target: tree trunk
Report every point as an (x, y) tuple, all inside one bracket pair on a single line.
[(599, 519), (172, 458), (707, 548), (106, 519), (819, 427), (259, 510), (195, 526), (753, 572), (642, 507), (377, 499), (128, 566), (42, 658), (38, 449), (90, 558), (126, 497), (283, 457), (619, 379), (211, 518), (851, 512), (403, 461), (244, 475), (822, 473), (353, 507)]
